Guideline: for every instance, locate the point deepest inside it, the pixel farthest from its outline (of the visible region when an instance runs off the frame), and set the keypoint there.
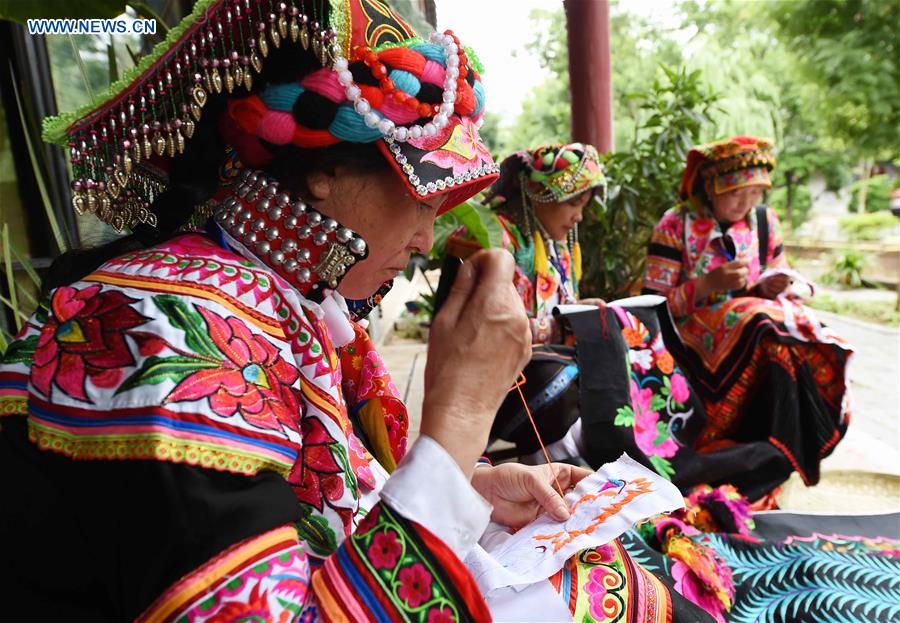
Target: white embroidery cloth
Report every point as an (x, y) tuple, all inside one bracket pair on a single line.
[(604, 505)]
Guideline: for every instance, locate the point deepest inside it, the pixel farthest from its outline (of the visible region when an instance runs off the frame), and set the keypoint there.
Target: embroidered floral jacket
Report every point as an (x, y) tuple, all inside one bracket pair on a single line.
[(215, 387), (686, 245)]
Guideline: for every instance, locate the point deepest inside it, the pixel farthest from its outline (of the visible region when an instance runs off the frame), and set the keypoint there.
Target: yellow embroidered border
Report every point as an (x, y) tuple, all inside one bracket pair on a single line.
[(151, 447), (13, 405)]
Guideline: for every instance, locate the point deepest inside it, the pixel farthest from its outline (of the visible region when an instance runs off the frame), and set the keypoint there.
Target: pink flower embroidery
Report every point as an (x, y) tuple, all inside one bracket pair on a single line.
[(385, 550), (645, 421), (254, 380), (84, 336), (415, 585), (600, 609), (691, 589), (680, 390), (457, 148), (441, 614)]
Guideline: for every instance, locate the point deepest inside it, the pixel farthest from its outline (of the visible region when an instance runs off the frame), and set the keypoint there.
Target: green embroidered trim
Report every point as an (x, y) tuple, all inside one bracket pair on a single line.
[(55, 128), (411, 554)]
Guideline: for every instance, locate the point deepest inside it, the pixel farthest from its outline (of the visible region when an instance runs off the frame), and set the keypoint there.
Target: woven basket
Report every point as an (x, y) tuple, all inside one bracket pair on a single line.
[(843, 491)]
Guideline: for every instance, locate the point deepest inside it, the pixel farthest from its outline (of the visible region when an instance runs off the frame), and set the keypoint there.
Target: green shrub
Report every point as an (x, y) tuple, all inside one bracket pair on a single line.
[(847, 267), (872, 226)]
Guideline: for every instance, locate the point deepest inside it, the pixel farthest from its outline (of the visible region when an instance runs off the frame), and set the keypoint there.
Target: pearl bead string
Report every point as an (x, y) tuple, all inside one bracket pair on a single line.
[(388, 128)]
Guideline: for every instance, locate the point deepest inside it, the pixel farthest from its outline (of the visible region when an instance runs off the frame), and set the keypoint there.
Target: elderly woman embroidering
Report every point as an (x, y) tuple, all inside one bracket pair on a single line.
[(195, 425)]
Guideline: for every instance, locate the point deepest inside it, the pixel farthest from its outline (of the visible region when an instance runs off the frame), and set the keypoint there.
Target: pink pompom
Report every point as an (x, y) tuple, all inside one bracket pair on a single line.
[(277, 127), (325, 83), (433, 73), (398, 113)]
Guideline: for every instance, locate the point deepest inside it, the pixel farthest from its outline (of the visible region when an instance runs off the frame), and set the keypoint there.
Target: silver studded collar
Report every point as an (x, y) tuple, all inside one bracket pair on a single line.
[(309, 250)]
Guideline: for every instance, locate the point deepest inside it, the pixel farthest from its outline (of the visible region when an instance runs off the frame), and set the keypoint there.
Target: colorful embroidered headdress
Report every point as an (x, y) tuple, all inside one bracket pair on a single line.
[(420, 100), (560, 172), (729, 164)]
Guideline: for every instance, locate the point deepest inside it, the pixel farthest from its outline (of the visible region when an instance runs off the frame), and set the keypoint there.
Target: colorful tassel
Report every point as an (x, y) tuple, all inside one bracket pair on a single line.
[(541, 262)]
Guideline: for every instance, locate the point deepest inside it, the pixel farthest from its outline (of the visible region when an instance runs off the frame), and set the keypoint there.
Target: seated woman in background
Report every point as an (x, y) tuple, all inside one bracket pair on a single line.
[(539, 200), (771, 377)]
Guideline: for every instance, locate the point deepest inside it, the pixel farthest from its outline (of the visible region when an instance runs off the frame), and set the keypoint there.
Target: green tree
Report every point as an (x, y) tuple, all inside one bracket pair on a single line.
[(546, 113), (644, 180), (849, 49)]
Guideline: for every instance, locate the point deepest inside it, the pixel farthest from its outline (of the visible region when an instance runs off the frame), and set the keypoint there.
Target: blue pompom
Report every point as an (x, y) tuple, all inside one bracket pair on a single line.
[(281, 96), (478, 89), (348, 125), (405, 81), (431, 51)]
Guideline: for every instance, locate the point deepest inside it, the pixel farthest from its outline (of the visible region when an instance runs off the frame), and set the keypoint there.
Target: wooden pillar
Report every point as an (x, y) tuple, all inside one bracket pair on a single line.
[(590, 76)]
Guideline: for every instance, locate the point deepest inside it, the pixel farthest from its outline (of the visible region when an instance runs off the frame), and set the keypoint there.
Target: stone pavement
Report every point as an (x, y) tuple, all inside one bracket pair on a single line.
[(872, 442)]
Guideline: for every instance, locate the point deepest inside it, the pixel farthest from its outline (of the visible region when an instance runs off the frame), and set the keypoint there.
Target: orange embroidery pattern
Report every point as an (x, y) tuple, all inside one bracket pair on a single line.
[(633, 490)]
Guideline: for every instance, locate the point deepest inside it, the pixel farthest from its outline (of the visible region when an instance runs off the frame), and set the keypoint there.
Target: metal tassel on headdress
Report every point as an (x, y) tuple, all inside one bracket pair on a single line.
[(218, 49)]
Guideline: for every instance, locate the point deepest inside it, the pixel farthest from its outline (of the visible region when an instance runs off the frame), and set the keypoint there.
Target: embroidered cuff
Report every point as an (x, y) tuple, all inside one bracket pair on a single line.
[(430, 489)]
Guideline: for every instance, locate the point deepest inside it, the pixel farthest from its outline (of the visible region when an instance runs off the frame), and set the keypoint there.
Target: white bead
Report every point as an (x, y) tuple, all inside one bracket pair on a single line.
[(449, 97), (353, 93), (452, 48), (386, 126), (362, 106), (371, 119), (440, 120), (429, 129), (447, 108), (452, 73), (345, 77), (415, 131), (452, 61), (401, 134), (341, 64)]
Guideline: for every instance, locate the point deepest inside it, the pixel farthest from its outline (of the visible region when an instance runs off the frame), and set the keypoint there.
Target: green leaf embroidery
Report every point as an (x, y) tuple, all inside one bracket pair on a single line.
[(624, 416), (314, 530), (662, 433), (21, 351), (657, 403), (195, 329), (340, 452), (155, 370), (662, 466)]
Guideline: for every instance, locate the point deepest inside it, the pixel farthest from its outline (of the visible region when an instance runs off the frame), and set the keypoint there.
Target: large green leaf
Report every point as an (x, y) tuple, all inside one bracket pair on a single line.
[(21, 351), (315, 531), (155, 370), (182, 317), (480, 222)]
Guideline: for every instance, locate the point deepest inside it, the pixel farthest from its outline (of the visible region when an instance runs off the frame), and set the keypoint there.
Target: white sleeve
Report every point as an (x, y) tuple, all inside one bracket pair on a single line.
[(429, 488)]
